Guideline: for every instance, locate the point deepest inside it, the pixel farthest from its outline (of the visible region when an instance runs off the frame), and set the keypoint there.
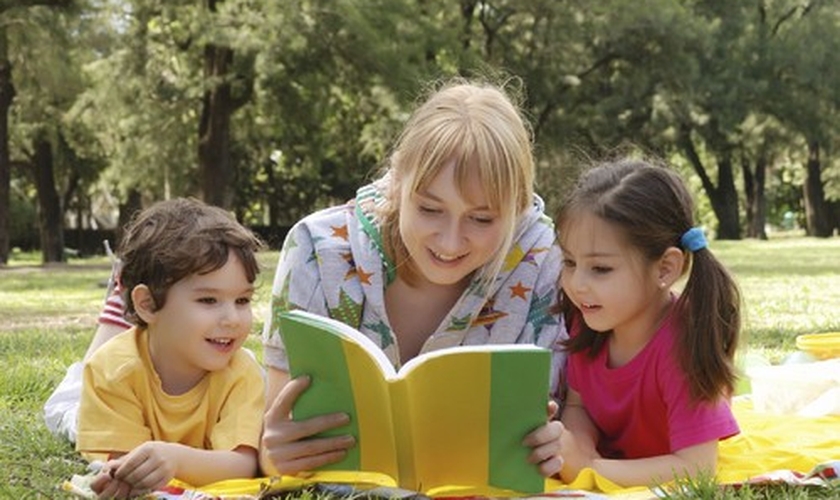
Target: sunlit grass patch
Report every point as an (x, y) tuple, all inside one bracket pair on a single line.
[(47, 317)]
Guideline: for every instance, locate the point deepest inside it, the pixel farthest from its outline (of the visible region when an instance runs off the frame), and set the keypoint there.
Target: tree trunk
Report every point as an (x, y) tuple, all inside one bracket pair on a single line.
[(49, 204), (834, 210), (754, 185), (817, 221), (7, 95), (132, 205), (723, 197), (214, 161), (273, 200)]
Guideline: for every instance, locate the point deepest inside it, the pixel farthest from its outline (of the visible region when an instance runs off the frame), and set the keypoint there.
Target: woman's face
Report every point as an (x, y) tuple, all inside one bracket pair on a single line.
[(450, 234)]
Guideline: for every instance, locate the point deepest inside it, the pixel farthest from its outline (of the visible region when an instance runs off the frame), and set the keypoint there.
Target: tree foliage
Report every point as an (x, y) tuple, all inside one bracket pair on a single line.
[(276, 108)]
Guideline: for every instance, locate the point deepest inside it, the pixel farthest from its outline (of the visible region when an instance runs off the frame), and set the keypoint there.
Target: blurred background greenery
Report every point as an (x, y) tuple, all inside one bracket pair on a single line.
[(273, 109)]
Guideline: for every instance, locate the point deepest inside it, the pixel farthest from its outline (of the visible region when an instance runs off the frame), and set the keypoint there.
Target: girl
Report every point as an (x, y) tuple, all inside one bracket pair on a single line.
[(650, 369)]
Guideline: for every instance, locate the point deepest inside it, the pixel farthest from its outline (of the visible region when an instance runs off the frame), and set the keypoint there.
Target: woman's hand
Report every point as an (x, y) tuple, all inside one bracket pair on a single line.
[(545, 443), (288, 447)]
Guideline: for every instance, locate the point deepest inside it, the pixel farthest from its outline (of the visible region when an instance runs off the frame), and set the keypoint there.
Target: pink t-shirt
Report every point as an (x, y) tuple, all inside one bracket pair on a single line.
[(643, 408)]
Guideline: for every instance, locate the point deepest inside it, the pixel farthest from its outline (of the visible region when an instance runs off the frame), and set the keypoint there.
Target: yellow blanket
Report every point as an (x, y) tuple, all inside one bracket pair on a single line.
[(767, 443)]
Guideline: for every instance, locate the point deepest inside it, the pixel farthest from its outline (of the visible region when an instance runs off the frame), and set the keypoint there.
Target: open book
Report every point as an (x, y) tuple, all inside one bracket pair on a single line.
[(452, 417)]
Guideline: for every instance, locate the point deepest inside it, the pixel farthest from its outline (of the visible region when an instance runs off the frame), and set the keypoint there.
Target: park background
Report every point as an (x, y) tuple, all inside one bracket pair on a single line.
[(273, 109)]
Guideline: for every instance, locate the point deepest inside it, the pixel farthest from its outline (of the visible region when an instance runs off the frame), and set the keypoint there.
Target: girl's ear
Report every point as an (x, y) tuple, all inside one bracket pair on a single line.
[(144, 303), (671, 266)]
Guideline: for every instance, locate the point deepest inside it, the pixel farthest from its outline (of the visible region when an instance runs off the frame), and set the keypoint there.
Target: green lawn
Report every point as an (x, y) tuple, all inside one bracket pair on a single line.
[(790, 286)]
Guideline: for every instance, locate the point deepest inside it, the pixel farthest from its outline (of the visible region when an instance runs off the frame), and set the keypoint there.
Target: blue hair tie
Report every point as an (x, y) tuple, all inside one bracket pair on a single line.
[(694, 239)]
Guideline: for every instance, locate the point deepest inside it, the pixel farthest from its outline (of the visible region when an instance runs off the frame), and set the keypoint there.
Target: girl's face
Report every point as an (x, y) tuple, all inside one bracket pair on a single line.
[(205, 320), (450, 234), (611, 283)]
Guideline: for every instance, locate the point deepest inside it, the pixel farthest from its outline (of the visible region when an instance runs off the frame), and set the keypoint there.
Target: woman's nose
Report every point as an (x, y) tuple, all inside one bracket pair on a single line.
[(451, 236)]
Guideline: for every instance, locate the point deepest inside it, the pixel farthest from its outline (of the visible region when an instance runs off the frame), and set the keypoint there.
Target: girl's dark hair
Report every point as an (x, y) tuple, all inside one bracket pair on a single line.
[(177, 238), (653, 209)]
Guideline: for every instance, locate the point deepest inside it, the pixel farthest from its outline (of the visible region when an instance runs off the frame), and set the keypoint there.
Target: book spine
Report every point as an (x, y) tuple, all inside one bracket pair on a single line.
[(375, 440)]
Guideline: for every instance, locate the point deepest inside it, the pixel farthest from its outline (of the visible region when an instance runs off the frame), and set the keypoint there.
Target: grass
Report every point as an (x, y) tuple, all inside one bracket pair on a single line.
[(790, 286)]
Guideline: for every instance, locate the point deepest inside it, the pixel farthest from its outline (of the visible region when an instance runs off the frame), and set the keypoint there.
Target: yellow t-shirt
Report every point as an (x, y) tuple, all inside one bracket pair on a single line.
[(123, 404)]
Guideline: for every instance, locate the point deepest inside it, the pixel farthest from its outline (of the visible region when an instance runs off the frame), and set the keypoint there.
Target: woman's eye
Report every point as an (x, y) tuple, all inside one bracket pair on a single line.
[(483, 219), (429, 210)]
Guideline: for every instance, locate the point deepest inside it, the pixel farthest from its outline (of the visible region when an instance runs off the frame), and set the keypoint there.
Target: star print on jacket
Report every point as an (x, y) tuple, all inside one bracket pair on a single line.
[(348, 311), (540, 316)]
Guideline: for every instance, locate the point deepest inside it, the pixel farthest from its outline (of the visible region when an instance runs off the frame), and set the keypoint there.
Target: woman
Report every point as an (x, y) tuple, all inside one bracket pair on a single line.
[(450, 246)]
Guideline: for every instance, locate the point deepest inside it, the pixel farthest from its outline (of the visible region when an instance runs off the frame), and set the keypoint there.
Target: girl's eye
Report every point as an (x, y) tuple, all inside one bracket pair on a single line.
[(207, 300), (601, 269), (568, 263), (243, 300)]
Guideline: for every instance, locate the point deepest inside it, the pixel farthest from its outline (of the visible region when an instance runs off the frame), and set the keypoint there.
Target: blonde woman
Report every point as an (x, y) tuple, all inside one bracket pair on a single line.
[(450, 246)]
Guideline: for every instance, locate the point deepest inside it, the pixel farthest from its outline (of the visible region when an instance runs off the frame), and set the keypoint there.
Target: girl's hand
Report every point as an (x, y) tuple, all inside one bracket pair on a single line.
[(576, 456), (545, 443), (285, 444)]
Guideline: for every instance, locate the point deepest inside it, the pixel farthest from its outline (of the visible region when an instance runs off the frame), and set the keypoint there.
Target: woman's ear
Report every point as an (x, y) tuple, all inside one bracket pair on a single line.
[(144, 303), (671, 266)]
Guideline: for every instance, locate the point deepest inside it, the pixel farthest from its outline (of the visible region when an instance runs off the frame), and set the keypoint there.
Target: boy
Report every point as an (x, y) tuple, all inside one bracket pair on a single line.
[(175, 396)]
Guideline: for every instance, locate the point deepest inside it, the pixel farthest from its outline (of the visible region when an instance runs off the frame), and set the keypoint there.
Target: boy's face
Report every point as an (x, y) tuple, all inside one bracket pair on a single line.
[(205, 320)]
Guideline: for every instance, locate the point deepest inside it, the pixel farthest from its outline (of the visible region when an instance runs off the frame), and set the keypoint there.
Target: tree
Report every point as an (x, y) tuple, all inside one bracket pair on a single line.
[(47, 81), (9, 11), (7, 95), (807, 39)]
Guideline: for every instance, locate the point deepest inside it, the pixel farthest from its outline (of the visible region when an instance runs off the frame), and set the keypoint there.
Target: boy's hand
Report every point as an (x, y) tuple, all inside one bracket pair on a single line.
[(106, 486), (145, 468)]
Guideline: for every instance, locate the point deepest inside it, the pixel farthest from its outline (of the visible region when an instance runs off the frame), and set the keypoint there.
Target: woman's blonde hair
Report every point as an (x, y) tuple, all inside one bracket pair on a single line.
[(477, 126)]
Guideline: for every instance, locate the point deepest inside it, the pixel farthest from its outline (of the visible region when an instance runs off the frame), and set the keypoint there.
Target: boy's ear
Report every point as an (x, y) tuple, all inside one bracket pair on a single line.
[(144, 303), (671, 266)]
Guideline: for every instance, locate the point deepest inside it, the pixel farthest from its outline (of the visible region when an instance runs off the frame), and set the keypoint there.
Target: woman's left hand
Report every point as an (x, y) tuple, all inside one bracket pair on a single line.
[(545, 444)]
